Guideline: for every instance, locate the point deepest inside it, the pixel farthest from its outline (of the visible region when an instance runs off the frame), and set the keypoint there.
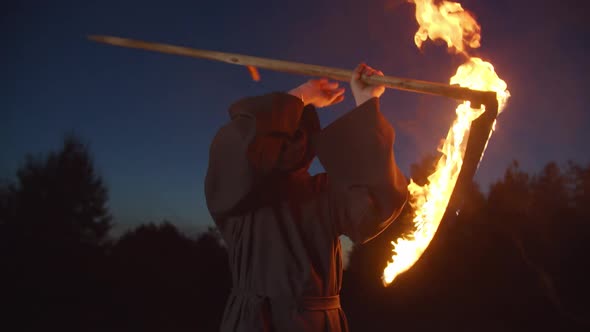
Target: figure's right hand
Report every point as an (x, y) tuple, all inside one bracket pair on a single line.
[(361, 90), (319, 93)]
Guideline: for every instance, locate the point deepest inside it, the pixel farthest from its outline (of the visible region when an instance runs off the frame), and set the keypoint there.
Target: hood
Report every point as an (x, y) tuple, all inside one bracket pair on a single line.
[(310, 124)]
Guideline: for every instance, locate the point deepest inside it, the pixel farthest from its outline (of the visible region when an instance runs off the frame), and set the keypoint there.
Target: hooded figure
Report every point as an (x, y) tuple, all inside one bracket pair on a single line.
[(282, 225)]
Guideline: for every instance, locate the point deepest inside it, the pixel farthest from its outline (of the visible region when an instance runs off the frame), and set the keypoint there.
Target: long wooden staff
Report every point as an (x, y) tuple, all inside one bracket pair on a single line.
[(406, 84)]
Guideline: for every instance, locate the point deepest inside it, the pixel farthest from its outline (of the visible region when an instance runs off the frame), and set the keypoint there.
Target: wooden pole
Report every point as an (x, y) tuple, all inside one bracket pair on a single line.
[(406, 84)]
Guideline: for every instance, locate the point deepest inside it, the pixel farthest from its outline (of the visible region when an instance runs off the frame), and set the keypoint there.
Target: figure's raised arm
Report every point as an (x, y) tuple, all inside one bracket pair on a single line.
[(259, 139), (366, 189)]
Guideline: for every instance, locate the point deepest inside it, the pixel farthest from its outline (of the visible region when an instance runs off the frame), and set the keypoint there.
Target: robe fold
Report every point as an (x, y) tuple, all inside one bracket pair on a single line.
[(282, 229)]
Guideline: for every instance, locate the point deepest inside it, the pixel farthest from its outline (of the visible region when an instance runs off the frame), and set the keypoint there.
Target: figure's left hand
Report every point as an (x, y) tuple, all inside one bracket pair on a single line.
[(319, 93), (362, 91)]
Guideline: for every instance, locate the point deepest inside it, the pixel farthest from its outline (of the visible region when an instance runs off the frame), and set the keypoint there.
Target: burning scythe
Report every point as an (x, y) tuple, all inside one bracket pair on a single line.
[(479, 132)]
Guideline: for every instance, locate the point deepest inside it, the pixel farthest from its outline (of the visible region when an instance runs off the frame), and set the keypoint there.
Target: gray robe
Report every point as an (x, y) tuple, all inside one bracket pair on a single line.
[(282, 230)]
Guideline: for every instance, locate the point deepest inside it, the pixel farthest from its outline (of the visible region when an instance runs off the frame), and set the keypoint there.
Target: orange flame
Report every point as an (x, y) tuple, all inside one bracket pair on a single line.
[(448, 21), (254, 73)]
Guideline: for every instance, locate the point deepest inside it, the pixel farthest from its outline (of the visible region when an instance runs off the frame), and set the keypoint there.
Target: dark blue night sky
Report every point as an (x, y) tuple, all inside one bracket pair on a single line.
[(149, 118)]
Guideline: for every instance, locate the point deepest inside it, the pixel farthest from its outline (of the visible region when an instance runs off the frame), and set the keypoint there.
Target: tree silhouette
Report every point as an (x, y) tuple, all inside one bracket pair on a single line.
[(164, 281), (54, 222), (59, 197), (510, 261)]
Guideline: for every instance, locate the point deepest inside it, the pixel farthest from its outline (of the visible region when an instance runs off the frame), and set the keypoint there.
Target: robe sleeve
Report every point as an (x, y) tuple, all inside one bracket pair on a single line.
[(247, 148), (366, 189)]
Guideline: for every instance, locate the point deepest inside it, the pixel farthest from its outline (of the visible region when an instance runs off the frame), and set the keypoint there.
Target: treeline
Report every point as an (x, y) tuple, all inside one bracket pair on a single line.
[(513, 260)]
